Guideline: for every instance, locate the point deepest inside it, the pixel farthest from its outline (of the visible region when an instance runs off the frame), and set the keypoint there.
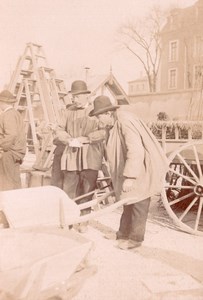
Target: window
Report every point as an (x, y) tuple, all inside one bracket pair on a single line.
[(198, 46), (173, 50), (198, 76), (172, 79), (131, 88)]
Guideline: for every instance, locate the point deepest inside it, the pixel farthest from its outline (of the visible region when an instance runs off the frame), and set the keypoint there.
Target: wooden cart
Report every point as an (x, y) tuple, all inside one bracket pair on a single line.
[(182, 194)]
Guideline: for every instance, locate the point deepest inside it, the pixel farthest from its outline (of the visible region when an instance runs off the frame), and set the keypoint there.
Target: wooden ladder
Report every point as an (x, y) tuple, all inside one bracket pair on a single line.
[(24, 105), (41, 96)]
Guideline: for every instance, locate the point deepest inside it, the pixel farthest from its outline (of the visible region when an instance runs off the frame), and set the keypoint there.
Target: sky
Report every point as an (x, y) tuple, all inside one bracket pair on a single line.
[(74, 34)]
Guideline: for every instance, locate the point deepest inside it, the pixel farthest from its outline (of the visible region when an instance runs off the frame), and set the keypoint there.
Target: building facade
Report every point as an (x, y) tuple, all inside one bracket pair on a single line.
[(180, 79), (138, 86), (182, 50)]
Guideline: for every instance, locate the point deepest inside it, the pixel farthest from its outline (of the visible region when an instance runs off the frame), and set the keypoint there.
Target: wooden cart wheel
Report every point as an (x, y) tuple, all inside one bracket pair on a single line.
[(183, 191)]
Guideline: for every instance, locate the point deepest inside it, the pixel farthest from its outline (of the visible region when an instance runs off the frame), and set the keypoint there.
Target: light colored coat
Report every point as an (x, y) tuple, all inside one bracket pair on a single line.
[(134, 152)]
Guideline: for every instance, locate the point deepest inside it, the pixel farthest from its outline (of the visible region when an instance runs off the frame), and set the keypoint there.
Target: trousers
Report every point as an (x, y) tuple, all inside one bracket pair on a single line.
[(133, 221), (56, 174), (9, 172), (78, 183)]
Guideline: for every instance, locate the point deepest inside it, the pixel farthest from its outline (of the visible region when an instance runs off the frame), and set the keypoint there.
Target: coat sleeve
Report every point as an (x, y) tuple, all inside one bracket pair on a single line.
[(97, 136), (135, 151), (61, 136), (10, 133)]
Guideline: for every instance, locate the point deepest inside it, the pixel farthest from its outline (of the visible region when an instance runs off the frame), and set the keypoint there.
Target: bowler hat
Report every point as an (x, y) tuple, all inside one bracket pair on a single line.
[(79, 87), (8, 97), (102, 104)]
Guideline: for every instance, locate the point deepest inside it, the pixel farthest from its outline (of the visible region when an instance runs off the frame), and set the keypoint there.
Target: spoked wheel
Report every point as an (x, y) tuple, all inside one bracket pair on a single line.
[(183, 191)]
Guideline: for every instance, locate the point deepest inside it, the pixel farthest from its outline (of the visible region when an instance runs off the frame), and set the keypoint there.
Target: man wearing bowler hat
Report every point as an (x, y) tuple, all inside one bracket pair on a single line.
[(137, 165), (12, 142), (82, 144)]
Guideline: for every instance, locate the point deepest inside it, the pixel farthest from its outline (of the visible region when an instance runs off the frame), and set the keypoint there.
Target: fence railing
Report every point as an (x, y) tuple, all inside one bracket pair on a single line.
[(176, 131)]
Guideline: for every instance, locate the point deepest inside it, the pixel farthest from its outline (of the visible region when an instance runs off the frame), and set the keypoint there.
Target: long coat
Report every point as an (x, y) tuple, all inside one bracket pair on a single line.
[(77, 123), (134, 152), (13, 148)]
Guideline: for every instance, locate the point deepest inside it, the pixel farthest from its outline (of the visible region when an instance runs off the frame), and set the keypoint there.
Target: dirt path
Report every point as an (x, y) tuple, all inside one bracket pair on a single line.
[(169, 265)]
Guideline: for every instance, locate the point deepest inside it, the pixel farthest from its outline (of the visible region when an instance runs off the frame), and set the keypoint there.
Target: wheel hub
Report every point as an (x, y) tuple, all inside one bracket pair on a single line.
[(199, 190)]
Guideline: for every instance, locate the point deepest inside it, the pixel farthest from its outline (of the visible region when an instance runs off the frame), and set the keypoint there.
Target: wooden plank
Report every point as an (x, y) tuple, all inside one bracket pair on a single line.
[(31, 117), (44, 157)]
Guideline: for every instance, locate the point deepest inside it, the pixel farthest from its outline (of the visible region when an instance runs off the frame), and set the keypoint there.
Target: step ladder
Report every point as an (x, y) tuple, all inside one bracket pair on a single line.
[(41, 96)]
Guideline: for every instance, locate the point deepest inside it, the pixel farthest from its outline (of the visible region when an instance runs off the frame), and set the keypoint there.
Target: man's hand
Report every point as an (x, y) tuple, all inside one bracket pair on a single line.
[(74, 143), (97, 135), (128, 184), (78, 142), (83, 139)]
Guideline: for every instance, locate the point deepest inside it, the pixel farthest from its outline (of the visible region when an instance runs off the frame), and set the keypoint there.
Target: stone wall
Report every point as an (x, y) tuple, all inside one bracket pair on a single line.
[(177, 105)]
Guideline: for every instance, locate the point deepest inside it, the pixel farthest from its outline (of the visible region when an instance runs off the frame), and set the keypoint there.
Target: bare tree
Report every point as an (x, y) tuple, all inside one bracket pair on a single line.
[(142, 39)]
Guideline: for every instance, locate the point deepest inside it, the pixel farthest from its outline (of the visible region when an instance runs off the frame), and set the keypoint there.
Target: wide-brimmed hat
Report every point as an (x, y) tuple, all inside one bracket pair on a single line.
[(102, 104), (79, 87), (8, 97)]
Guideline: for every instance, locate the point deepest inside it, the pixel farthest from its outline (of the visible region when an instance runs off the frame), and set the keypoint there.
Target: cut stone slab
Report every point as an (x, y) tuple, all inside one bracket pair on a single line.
[(169, 283), (38, 206), (50, 258)]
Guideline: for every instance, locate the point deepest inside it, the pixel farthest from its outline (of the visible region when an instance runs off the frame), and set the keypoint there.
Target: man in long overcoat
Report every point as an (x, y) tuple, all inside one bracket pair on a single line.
[(12, 142), (82, 147), (137, 166)]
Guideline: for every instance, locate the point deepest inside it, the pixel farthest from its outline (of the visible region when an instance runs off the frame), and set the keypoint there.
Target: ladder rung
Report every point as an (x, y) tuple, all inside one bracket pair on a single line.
[(32, 79), (22, 107), (40, 56), (26, 72), (103, 178), (36, 45), (62, 93), (23, 95), (48, 69), (28, 57)]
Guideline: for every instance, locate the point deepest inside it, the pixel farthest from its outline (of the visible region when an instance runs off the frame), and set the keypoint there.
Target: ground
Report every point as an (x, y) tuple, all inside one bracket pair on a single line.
[(168, 266)]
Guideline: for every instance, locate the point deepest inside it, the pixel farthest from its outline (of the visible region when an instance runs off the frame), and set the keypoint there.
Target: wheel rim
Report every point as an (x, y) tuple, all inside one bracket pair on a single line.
[(183, 190)]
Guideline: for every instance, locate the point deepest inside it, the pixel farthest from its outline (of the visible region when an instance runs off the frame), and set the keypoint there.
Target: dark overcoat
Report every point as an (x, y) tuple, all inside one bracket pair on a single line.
[(13, 148)]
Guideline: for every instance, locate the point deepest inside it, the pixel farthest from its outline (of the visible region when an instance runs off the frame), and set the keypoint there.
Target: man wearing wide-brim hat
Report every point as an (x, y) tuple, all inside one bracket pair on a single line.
[(137, 166), (12, 142)]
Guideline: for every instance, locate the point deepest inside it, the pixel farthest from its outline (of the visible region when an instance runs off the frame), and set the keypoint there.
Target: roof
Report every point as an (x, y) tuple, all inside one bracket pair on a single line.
[(141, 79), (111, 84), (184, 17)]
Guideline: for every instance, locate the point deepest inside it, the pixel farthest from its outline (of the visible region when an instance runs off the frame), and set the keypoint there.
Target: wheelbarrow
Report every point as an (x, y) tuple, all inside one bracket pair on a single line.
[(40, 255)]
